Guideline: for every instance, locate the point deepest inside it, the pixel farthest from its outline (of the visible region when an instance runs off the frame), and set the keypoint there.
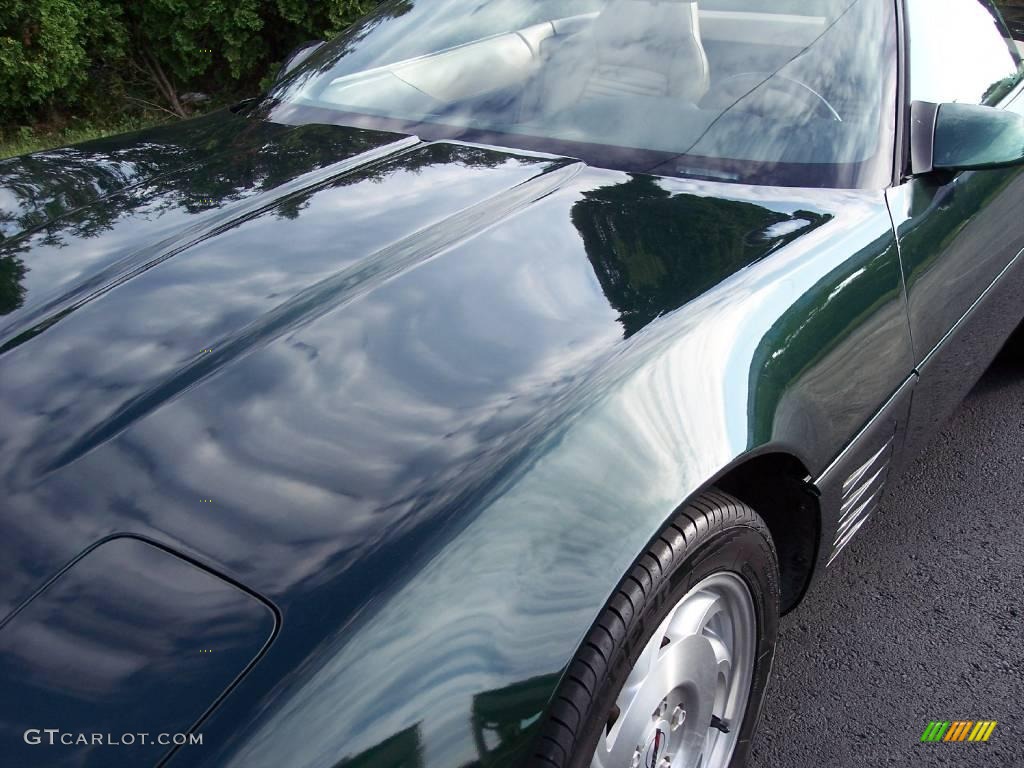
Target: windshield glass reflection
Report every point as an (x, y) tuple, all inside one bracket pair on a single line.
[(767, 93)]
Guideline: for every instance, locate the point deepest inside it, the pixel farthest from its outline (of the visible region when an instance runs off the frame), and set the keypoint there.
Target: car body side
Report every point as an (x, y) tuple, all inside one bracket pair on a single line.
[(827, 381), (792, 366), (784, 345), (623, 341)]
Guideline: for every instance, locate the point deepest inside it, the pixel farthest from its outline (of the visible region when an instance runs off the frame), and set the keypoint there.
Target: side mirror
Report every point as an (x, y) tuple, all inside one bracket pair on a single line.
[(964, 137), (298, 55)]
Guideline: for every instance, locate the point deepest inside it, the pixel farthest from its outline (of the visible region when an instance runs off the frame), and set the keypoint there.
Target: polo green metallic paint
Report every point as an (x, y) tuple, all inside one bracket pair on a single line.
[(428, 396), (552, 328), (971, 137)]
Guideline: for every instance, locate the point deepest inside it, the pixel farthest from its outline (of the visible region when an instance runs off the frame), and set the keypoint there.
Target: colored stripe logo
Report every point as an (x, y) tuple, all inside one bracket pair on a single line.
[(958, 730)]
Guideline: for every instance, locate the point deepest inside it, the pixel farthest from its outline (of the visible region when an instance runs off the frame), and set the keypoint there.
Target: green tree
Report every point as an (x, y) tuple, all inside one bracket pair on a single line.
[(92, 56), (48, 47)]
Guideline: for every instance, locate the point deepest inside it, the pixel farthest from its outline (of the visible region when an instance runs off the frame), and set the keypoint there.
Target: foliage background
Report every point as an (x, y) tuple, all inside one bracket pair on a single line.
[(68, 65), (71, 70)]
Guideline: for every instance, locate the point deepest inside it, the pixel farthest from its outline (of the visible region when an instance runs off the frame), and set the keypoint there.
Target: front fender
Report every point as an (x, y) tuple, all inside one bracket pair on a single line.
[(794, 354)]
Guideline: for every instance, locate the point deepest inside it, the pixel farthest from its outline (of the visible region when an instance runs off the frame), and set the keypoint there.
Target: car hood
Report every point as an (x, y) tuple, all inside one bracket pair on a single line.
[(299, 356)]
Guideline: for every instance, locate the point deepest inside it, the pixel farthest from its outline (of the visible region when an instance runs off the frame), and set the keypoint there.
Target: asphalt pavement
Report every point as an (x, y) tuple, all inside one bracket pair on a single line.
[(922, 620)]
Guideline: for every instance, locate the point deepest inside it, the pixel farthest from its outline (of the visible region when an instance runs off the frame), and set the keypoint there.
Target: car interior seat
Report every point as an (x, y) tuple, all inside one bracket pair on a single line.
[(633, 48), (647, 48)]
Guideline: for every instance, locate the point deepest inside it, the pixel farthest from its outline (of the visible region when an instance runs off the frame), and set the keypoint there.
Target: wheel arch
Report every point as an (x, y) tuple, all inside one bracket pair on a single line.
[(777, 486)]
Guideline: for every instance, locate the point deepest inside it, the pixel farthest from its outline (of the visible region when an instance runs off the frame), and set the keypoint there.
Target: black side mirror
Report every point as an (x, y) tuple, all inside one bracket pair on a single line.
[(964, 137), (298, 55)]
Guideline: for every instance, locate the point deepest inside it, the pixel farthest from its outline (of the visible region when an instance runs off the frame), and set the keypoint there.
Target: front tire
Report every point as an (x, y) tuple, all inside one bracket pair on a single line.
[(673, 672)]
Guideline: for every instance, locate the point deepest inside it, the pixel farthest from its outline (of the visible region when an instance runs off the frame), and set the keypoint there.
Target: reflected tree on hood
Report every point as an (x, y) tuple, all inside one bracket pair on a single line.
[(654, 250), (12, 292)]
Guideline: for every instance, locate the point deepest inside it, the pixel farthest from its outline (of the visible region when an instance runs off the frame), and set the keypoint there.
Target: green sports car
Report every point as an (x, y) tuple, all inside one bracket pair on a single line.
[(482, 393)]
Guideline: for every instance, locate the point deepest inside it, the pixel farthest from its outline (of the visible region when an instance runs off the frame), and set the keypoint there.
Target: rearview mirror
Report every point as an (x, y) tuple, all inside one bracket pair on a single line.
[(964, 137), (298, 55)]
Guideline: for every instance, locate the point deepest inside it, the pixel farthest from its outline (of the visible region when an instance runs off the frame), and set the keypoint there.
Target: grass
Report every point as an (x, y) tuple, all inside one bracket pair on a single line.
[(33, 139)]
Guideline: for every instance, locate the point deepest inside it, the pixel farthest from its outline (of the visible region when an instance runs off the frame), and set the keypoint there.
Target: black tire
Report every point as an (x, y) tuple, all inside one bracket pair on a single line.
[(716, 532)]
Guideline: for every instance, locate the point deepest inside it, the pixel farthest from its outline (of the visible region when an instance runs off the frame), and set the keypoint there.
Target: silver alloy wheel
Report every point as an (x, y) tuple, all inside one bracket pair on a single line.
[(697, 665)]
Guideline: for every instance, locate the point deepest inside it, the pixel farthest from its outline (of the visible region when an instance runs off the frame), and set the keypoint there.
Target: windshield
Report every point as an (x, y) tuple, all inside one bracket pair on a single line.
[(755, 91)]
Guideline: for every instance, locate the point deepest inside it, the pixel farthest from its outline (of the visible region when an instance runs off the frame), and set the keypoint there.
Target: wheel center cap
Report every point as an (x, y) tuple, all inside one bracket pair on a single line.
[(654, 749)]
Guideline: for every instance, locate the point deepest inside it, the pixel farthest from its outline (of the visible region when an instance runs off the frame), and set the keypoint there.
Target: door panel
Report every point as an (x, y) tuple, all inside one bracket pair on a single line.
[(959, 235), (959, 246), (957, 364), (956, 236)]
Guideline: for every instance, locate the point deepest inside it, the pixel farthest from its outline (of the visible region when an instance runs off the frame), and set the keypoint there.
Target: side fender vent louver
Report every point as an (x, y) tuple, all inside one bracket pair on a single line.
[(862, 491)]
